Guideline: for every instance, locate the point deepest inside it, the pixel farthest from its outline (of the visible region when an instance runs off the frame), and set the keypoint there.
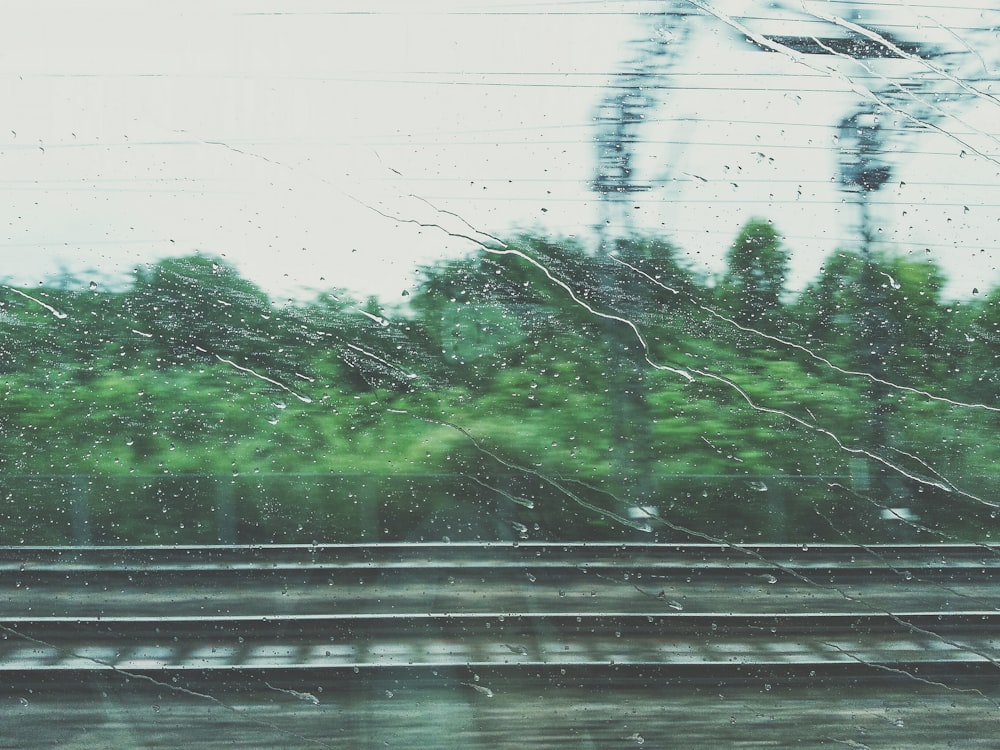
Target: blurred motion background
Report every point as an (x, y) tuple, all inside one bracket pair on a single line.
[(663, 271)]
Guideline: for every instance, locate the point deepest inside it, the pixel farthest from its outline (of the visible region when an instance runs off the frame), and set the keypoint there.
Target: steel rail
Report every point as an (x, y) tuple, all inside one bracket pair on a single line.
[(500, 555)]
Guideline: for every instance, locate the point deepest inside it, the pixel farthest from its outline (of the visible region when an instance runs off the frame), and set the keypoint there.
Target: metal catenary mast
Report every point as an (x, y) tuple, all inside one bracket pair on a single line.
[(941, 76), (630, 100)]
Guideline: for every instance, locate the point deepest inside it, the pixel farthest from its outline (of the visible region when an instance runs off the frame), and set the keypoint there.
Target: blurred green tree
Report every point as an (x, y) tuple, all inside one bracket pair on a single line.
[(756, 266)]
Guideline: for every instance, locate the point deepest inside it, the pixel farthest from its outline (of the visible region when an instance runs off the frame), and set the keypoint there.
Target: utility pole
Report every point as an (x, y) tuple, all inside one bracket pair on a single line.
[(939, 73), (620, 118), (862, 173)]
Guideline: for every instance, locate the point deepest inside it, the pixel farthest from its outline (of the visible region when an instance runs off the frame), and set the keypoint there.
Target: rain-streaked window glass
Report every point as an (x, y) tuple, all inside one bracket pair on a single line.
[(500, 374)]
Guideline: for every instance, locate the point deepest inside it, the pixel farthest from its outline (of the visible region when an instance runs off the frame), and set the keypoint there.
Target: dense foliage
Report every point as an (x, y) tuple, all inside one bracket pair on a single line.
[(530, 390)]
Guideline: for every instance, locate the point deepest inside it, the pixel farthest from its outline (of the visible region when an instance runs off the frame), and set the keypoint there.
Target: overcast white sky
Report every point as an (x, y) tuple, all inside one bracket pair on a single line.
[(260, 131)]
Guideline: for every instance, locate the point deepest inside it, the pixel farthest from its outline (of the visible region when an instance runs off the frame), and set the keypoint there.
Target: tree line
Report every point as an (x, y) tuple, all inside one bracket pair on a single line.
[(532, 389)]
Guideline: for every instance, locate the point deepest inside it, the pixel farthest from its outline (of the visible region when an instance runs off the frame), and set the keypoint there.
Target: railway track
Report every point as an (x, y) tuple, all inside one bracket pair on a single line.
[(672, 607), (331, 646), (586, 579), (724, 644)]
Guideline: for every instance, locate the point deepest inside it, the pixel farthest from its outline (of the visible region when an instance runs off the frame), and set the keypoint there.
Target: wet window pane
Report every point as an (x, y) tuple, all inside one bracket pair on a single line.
[(500, 374)]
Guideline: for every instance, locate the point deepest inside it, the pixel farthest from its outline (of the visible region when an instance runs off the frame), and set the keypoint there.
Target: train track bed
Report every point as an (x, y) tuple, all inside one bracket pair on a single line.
[(549, 645)]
